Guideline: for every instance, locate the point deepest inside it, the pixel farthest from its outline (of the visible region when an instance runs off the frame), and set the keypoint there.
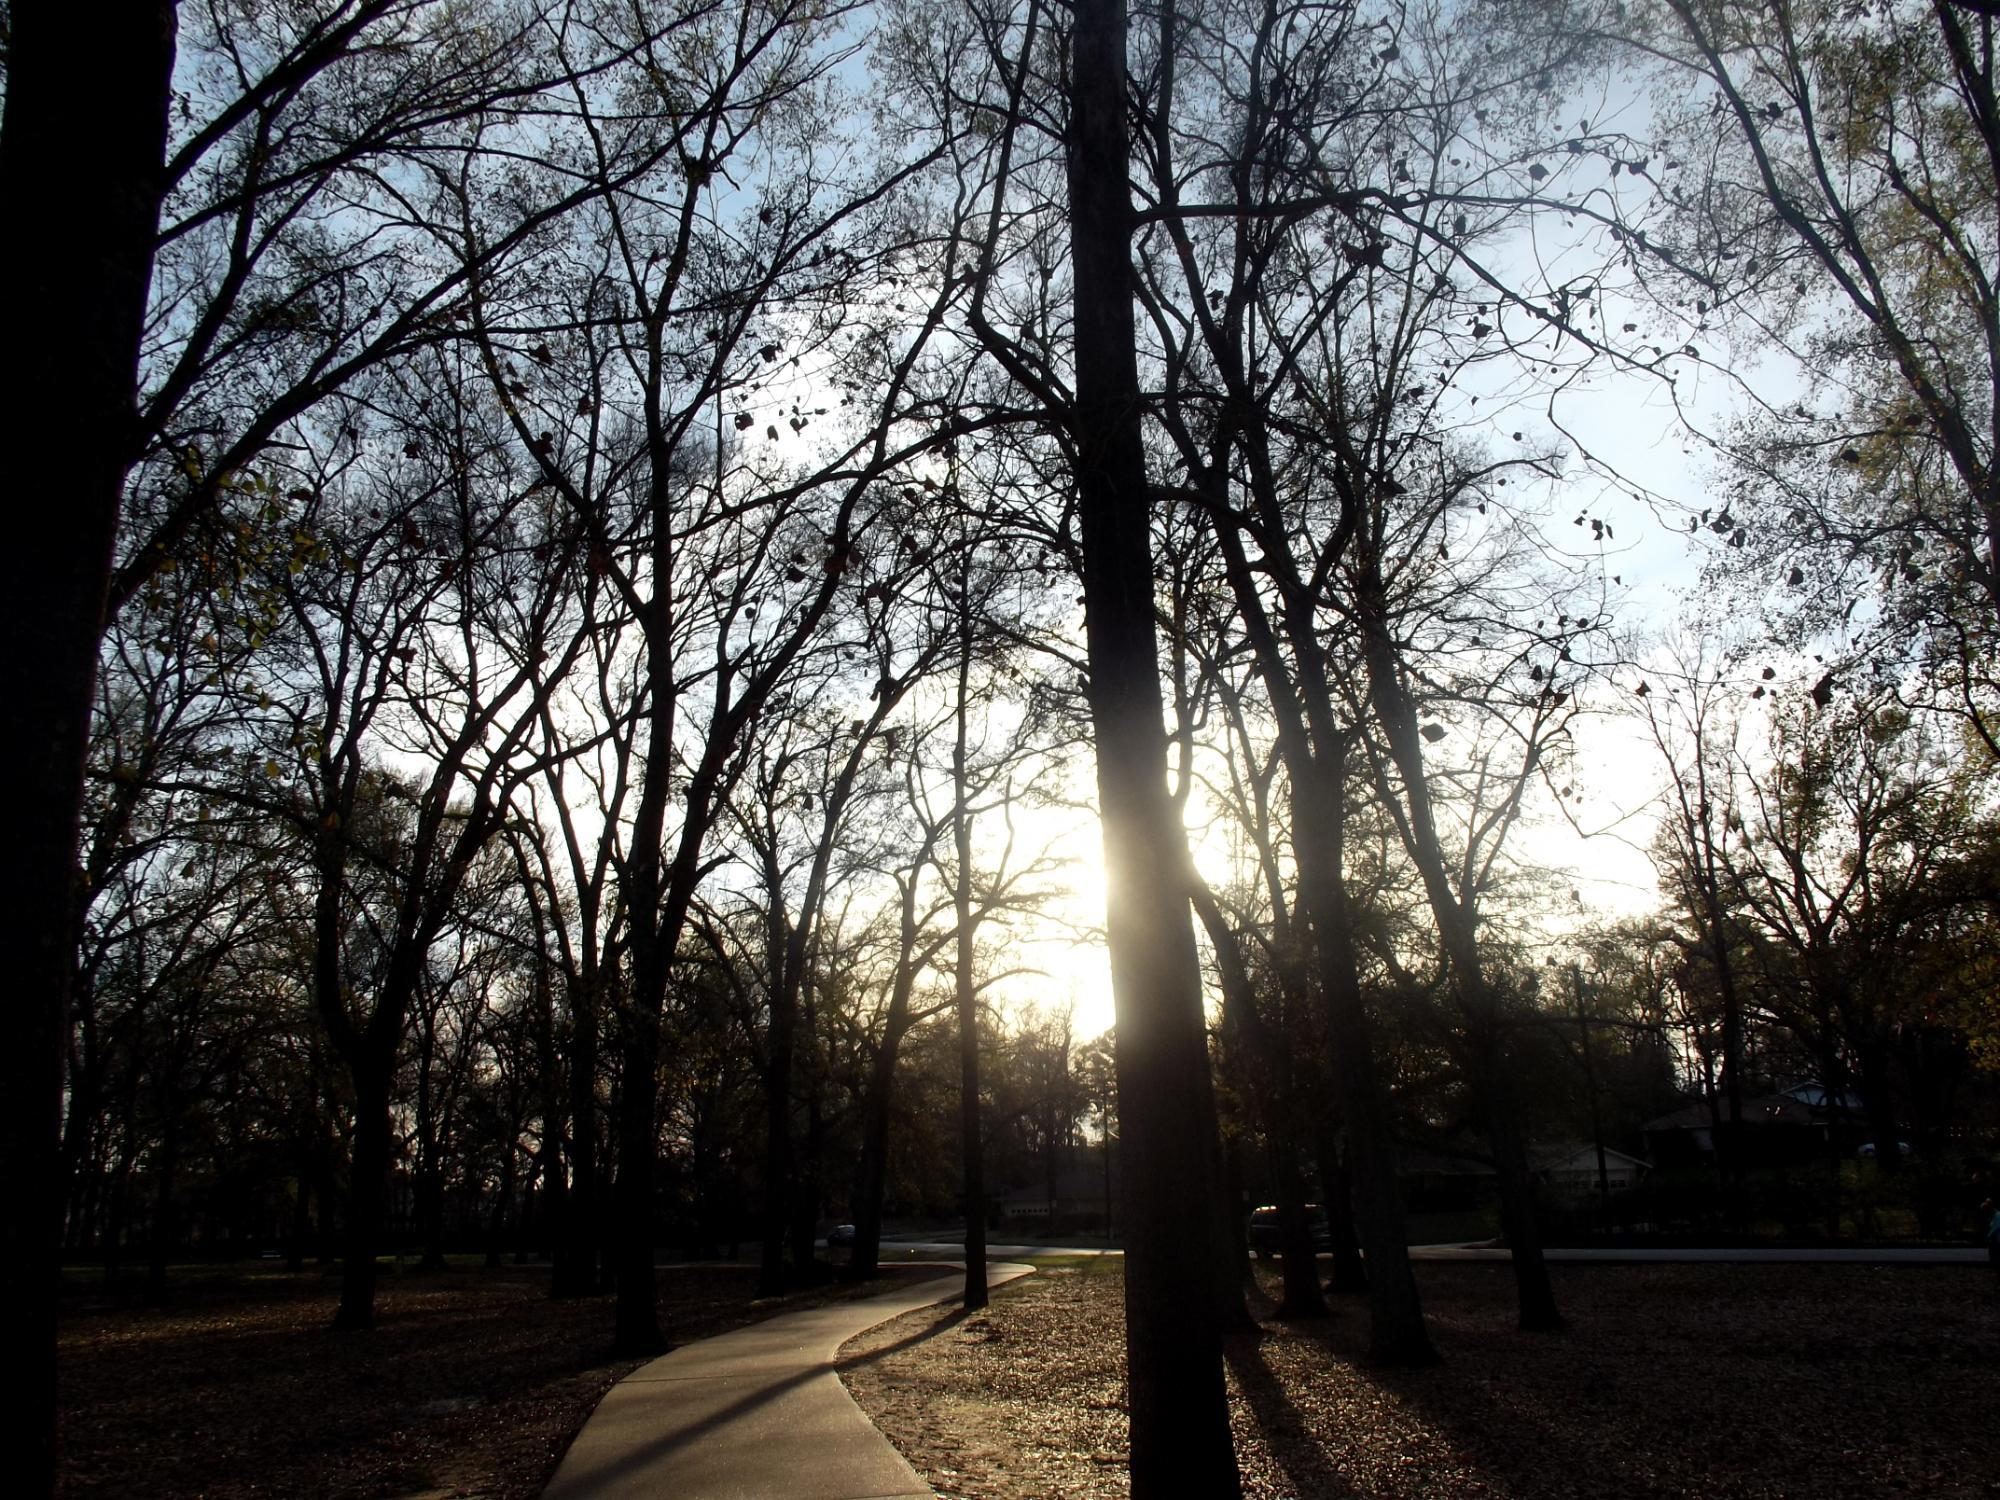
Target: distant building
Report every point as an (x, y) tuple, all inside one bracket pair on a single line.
[(1794, 1125), (1569, 1172), (1074, 1200)]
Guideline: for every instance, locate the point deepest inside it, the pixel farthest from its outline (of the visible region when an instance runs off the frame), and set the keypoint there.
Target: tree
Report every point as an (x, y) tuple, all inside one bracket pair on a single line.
[(1843, 866), (1180, 1427), (1835, 170), (75, 360), (1306, 318), (1692, 733), (415, 605), (1097, 1075), (814, 776), (241, 177), (618, 358)]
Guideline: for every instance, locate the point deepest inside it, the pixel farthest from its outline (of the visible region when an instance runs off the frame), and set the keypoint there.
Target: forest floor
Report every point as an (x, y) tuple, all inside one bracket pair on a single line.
[(1832, 1382), (471, 1384)]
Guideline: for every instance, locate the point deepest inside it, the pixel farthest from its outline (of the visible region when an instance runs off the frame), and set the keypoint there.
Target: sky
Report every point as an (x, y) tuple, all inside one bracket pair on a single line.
[(1639, 441)]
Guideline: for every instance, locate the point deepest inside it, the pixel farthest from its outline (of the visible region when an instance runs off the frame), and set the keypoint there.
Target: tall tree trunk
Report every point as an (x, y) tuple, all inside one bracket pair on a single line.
[(118, 1205), (971, 1145), (81, 147), (659, 910), (429, 1182), (1494, 1083), (366, 1197), (496, 1224), (647, 889), (1397, 1332), (160, 1248), (778, 1185), (1336, 1185), (1302, 1295), (636, 1313), (1234, 1278), (532, 1231), (80, 1126), (1830, 1070), (1727, 1126), (574, 1273), (1179, 1413), (1455, 917), (1878, 1101), (295, 1244), (1315, 750), (806, 1179), (872, 1172), (1256, 1054)]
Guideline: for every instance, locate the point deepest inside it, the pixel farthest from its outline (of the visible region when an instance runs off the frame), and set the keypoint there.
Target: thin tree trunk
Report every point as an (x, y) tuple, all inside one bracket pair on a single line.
[(1179, 1413), (80, 1123), (1336, 1185), (532, 1231), (1262, 1060), (1455, 919), (118, 1204), (430, 1176), (1829, 1069), (295, 1246), (161, 1247), (574, 1273), (1235, 1280), (972, 1149), (1879, 1105), (496, 1226), (636, 1313), (1315, 749), (1303, 1297), (806, 1180), (778, 1186), (1397, 1332), (1534, 1296), (871, 1174)]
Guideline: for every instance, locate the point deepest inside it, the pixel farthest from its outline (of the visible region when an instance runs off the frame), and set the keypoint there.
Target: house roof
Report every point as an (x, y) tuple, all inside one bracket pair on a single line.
[(1767, 1109), (1442, 1162), (1817, 1097), (1573, 1157)]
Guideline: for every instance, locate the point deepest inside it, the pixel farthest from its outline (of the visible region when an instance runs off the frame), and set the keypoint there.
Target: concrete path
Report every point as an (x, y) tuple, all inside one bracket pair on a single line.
[(1932, 1255), (1935, 1255), (757, 1414)]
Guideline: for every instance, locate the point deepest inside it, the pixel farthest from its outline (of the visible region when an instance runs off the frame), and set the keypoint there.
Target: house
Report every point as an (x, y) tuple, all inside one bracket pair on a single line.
[(1571, 1171), (1073, 1200), (1783, 1129), (1825, 1101), (1445, 1177)]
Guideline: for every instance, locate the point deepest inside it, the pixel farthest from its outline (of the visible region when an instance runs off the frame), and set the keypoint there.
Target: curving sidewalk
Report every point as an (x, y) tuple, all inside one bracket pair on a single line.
[(756, 1414)]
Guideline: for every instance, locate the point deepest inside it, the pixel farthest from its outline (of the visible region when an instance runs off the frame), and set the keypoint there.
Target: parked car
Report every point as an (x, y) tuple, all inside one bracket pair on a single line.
[(839, 1236), (1867, 1150), (1267, 1235)]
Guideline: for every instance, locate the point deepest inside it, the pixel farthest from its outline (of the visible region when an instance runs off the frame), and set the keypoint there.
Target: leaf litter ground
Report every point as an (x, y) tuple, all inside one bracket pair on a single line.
[(1821, 1382), (472, 1384)]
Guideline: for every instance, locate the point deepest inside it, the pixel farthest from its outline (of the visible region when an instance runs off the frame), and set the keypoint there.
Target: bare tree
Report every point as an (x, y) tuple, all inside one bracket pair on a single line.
[(1180, 1427)]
